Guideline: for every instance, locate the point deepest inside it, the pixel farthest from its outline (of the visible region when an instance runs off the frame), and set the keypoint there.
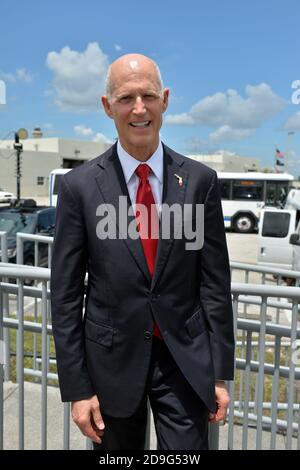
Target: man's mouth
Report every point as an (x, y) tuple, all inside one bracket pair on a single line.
[(140, 124)]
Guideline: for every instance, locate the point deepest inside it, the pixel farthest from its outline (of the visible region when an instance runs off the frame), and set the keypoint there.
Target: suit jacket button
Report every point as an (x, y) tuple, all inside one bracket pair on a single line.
[(147, 335)]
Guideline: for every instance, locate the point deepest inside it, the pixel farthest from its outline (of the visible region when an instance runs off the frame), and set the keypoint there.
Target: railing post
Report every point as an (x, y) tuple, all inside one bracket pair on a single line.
[(45, 361), (275, 385), (66, 429), (6, 335), (20, 257), (260, 377), (213, 436), (20, 361), (2, 363), (148, 427), (290, 410), (231, 383)]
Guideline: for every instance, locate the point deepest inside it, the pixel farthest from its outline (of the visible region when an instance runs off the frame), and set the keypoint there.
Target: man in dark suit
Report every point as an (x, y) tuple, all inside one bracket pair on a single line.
[(157, 320)]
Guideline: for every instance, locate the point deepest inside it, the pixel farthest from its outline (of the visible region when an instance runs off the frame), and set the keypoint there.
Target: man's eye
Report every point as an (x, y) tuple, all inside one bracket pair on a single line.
[(124, 99)]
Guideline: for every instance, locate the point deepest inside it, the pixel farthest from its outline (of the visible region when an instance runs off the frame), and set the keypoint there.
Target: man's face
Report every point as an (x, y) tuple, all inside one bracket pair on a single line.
[(137, 105)]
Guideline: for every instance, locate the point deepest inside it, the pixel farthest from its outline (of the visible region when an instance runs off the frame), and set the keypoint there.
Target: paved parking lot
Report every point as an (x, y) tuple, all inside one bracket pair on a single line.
[(242, 247)]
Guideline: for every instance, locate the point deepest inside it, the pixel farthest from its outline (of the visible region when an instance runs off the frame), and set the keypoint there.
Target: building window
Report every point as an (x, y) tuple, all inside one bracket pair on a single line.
[(40, 180)]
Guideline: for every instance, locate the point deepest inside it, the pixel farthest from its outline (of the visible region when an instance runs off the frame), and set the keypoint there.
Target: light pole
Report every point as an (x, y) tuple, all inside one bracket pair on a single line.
[(21, 134), (288, 150)]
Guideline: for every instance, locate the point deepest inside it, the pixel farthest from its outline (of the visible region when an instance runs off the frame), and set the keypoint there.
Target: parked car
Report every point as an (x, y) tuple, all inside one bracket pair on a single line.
[(6, 196), (275, 229), (295, 242), (26, 217), (276, 226)]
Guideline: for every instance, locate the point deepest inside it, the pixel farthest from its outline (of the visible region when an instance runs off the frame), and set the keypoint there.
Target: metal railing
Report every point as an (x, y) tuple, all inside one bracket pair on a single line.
[(278, 275), (21, 240), (268, 368), (264, 397), (37, 240)]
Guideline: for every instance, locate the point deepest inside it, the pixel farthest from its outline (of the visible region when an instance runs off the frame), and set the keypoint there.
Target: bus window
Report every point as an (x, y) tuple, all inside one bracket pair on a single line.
[(282, 192), (248, 190), (224, 189), (271, 193)]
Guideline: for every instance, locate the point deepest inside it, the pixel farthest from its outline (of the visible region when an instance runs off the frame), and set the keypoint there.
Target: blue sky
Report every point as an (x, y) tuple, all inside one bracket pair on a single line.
[(229, 64)]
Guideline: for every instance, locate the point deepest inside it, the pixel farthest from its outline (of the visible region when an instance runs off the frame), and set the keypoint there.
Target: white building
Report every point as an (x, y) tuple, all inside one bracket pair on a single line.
[(227, 161), (39, 157)]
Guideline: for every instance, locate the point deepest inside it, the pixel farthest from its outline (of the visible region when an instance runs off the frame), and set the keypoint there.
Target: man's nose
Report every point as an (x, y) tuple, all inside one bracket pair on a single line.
[(139, 106)]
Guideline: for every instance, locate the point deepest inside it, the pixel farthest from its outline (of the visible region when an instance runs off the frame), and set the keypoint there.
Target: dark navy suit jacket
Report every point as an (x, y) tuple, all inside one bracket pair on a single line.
[(107, 350)]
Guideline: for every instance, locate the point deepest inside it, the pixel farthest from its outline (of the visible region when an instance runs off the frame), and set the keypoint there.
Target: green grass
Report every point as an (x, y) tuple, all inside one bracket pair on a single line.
[(240, 375), (28, 349), (282, 390)]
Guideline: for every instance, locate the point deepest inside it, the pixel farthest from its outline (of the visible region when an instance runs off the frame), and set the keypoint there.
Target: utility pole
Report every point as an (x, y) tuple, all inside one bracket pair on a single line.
[(288, 150), (21, 134), (19, 149)]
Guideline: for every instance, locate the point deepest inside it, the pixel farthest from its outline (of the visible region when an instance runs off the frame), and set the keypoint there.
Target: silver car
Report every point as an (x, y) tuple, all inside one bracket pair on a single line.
[(6, 196)]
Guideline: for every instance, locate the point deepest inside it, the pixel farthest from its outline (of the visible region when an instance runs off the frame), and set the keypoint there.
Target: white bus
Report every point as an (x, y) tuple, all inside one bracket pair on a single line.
[(245, 194), (54, 181)]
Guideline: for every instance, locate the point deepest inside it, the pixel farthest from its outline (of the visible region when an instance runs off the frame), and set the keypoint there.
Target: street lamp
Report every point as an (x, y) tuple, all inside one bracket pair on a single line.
[(21, 134)]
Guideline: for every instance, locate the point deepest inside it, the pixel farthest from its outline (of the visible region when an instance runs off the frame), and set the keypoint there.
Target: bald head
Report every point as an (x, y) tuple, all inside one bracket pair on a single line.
[(131, 65), (136, 101)]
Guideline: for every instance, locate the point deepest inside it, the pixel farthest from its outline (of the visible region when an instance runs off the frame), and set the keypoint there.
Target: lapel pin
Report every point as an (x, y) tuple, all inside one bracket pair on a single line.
[(180, 182)]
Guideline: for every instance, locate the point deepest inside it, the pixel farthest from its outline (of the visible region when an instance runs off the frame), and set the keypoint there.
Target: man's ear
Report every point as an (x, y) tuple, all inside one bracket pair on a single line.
[(106, 106), (166, 93)]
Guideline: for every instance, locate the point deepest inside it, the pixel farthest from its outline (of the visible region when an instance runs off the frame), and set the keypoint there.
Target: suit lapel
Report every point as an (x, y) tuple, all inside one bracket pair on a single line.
[(173, 193), (111, 184)]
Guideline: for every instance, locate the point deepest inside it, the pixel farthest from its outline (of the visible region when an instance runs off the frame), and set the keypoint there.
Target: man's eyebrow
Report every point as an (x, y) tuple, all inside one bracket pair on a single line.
[(124, 93), (130, 93)]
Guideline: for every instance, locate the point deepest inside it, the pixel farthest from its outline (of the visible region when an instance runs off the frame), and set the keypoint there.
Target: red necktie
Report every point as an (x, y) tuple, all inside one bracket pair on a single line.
[(151, 225)]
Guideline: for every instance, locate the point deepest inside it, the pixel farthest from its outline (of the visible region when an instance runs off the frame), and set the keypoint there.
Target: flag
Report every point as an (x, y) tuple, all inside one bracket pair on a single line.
[(279, 154), (279, 163)]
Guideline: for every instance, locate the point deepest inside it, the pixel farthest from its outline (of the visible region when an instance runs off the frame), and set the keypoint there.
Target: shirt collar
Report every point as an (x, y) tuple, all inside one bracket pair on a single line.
[(130, 164)]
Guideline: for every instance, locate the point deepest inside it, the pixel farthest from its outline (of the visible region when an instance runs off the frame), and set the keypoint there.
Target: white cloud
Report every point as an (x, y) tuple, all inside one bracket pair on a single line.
[(118, 47), (293, 122), (21, 75), (79, 77), (181, 119), (101, 138), (82, 130), (7, 77), (227, 133), (232, 115)]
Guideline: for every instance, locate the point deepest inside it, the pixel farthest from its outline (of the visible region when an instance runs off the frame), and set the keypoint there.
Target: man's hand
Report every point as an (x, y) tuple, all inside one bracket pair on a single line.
[(222, 402), (86, 414)]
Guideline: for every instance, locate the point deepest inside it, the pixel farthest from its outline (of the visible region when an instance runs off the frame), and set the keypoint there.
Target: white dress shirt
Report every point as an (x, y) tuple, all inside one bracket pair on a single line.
[(129, 165)]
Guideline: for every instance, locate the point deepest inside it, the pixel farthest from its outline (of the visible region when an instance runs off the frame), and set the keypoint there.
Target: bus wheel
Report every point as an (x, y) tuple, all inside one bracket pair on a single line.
[(243, 223)]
